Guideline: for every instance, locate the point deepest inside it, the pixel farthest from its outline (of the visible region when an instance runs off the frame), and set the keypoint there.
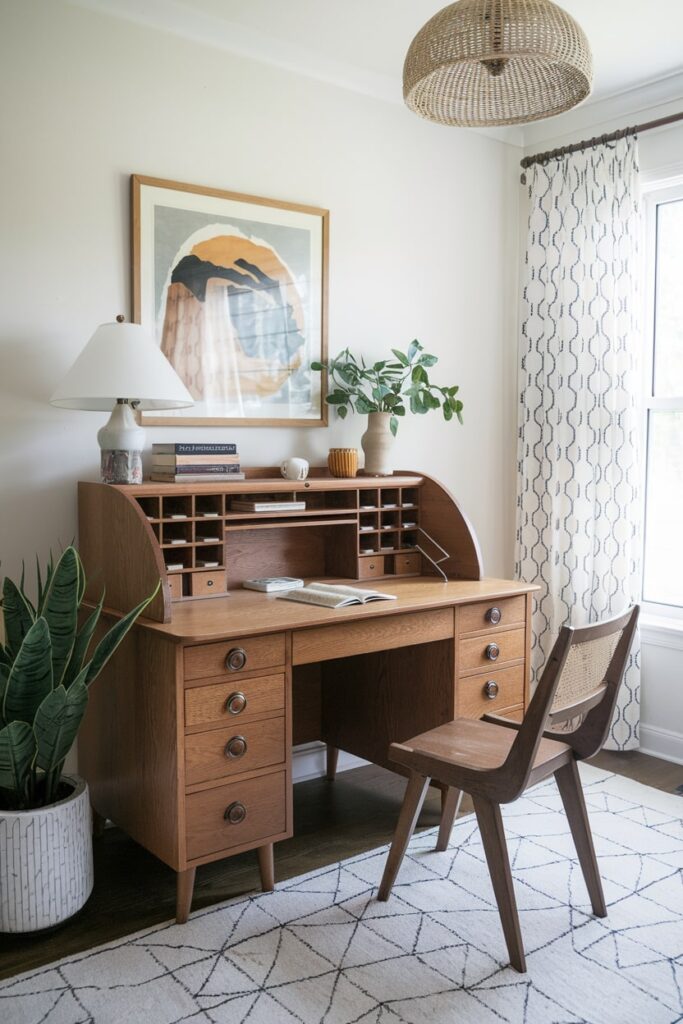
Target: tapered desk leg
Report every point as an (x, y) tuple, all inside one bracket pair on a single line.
[(266, 867), (98, 823), (184, 890), (332, 758)]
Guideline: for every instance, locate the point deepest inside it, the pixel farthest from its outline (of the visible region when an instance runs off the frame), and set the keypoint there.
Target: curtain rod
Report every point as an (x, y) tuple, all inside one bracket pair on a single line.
[(555, 154)]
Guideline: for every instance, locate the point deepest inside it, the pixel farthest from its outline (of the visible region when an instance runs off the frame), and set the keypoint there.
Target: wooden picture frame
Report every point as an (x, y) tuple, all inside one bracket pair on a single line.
[(234, 288)]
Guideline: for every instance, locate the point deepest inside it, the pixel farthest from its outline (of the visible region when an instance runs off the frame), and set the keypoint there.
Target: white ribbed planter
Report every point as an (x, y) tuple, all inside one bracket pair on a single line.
[(46, 870)]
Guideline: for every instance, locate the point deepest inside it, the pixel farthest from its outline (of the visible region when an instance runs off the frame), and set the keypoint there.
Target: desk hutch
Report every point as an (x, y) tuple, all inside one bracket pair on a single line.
[(188, 736)]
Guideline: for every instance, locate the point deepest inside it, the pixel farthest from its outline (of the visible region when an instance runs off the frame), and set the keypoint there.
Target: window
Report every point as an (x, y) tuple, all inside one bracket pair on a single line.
[(663, 554)]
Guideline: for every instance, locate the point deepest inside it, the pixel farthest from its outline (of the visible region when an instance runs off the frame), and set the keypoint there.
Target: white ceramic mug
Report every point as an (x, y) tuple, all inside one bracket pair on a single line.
[(294, 469)]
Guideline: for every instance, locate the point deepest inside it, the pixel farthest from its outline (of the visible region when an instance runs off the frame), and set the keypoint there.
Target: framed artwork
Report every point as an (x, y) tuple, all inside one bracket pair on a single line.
[(234, 288)]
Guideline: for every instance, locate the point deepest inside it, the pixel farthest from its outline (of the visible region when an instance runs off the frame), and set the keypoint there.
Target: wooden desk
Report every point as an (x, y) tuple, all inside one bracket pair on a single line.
[(187, 742)]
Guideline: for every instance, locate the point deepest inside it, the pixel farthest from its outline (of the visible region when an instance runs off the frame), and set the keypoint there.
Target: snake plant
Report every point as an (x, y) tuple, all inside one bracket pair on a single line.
[(47, 663)]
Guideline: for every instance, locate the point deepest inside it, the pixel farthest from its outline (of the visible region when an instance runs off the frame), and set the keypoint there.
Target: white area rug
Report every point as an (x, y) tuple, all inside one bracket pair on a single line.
[(321, 949)]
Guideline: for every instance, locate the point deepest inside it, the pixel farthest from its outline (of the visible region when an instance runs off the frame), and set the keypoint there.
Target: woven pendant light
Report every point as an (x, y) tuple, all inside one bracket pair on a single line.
[(495, 62)]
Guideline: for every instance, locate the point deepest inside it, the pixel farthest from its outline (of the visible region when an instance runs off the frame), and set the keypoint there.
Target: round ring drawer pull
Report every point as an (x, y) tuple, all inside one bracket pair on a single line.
[(209, 583), (491, 689), (236, 747), (492, 651), (235, 813), (494, 615), (236, 703), (236, 659)]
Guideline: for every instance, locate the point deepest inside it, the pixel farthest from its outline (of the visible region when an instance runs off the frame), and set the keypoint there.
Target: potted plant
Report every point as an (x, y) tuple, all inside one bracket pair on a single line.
[(382, 391), (47, 664)]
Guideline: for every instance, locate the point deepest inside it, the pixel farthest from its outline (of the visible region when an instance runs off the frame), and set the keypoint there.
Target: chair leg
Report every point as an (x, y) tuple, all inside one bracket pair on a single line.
[(490, 823), (571, 791), (450, 805), (332, 758), (407, 820)]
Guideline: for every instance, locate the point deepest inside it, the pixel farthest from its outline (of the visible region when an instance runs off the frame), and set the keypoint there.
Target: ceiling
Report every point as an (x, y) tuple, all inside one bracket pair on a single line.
[(362, 43)]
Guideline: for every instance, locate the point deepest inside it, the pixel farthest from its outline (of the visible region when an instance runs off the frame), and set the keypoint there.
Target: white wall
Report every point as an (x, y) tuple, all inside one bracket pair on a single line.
[(423, 222)]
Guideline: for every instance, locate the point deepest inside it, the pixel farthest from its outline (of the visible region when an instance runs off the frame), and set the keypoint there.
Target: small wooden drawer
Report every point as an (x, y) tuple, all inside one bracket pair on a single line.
[(238, 814), (408, 565), (370, 567), (175, 585), (491, 650), (234, 656), (207, 583), (488, 615), (219, 753), (227, 702), (488, 692)]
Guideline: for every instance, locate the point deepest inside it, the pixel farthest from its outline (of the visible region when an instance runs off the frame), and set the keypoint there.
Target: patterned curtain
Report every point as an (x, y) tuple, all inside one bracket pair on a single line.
[(579, 528)]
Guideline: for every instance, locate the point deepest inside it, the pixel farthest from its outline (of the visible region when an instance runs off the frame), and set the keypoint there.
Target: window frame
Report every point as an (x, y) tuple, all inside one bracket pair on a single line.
[(654, 194)]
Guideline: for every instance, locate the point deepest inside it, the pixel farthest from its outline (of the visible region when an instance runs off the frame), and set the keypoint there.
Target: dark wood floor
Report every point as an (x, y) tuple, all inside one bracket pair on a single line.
[(133, 890)]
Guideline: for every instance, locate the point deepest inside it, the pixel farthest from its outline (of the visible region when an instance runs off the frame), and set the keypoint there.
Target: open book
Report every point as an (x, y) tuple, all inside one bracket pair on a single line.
[(334, 595)]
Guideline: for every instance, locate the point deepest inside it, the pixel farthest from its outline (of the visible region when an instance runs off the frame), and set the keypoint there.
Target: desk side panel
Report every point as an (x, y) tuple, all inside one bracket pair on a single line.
[(443, 519), (131, 749), (120, 552)]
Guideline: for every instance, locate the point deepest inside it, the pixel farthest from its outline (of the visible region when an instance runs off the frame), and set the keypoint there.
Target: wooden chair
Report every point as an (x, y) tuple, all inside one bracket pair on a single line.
[(495, 760)]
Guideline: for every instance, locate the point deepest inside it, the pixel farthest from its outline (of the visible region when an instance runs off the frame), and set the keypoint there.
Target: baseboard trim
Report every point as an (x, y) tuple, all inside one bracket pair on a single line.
[(661, 743), (308, 761)]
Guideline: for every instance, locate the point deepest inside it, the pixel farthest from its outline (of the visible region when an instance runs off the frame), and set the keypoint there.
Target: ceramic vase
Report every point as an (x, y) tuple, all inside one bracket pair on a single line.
[(378, 443), (46, 866)]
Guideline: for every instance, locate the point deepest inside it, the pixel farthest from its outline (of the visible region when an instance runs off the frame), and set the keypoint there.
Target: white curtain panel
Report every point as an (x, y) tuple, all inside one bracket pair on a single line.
[(579, 514)]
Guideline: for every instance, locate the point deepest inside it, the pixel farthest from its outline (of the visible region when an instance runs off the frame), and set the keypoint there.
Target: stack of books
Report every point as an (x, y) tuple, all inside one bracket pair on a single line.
[(184, 463)]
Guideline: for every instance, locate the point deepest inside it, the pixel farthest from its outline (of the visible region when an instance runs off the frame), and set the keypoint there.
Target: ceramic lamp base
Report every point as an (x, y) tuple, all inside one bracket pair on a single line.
[(119, 466), (121, 440)]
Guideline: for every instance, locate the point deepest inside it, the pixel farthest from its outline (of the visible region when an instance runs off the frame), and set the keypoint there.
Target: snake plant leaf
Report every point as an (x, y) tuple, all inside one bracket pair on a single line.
[(113, 638), (18, 616), (17, 750), (57, 722), (60, 609), (81, 644), (4, 676), (30, 678)]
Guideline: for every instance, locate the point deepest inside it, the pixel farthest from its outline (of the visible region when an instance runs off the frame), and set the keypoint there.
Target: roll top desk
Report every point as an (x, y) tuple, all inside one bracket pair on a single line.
[(187, 741)]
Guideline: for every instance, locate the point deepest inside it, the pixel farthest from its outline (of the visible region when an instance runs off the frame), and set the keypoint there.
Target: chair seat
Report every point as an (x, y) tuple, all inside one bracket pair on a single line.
[(470, 743)]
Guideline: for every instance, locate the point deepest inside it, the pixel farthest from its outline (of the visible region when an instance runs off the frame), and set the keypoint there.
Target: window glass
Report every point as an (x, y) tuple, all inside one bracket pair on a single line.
[(668, 351), (663, 577)]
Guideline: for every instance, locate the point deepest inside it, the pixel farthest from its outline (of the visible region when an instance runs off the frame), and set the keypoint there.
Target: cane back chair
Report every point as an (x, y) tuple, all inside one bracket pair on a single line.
[(495, 760)]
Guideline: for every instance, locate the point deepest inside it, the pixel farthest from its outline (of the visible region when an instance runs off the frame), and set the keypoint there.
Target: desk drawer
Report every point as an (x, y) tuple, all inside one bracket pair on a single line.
[(492, 615), (233, 701), (257, 808), (343, 640), (491, 691), (491, 650), (232, 657), (219, 753)]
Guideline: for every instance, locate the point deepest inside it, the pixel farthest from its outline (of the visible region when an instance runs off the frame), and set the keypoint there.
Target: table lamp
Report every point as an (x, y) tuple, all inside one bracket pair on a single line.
[(121, 366)]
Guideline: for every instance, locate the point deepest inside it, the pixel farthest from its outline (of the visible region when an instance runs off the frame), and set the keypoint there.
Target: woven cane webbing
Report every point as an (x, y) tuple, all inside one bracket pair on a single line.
[(585, 668), (497, 62)]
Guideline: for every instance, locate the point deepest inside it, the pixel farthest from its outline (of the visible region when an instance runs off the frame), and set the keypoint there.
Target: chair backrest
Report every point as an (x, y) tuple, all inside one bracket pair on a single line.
[(589, 684), (581, 680)]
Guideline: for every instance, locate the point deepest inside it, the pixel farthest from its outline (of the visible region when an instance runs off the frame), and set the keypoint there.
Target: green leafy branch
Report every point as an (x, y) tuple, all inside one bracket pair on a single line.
[(389, 385)]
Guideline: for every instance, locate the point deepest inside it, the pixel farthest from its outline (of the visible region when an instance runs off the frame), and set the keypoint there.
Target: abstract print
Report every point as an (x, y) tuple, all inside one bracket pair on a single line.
[(233, 323)]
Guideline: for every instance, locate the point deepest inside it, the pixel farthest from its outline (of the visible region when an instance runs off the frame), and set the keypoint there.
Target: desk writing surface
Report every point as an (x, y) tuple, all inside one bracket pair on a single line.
[(246, 612)]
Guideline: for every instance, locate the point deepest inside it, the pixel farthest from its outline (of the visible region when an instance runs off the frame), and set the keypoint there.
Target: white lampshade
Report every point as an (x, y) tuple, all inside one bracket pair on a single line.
[(121, 361)]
